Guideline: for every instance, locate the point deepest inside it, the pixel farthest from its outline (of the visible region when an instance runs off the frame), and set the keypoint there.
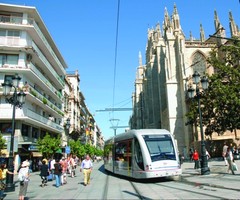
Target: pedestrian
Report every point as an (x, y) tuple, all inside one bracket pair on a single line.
[(23, 177), (195, 157), (229, 157), (191, 154), (73, 166), (64, 165), (225, 146), (52, 162), (86, 167), (44, 173), (208, 155), (3, 174), (57, 172)]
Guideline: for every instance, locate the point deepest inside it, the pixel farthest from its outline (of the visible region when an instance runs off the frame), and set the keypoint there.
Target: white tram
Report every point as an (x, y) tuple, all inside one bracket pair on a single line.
[(141, 154)]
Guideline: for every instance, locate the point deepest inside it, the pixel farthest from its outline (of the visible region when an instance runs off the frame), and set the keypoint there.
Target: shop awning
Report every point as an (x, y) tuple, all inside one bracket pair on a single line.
[(36, 154)]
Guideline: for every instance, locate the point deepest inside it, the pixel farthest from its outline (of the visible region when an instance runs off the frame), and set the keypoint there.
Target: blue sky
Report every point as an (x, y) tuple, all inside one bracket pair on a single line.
[(85, 33)]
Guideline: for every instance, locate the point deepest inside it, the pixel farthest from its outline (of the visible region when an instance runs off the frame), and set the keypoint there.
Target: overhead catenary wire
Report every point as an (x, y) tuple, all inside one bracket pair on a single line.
[(115, 60)]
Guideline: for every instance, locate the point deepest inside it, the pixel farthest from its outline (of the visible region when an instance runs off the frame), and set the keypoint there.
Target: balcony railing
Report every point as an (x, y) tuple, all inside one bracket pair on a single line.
[(47, 44), (48, 65), (30, 21), (44, 120), (38, 95), (42, 77)]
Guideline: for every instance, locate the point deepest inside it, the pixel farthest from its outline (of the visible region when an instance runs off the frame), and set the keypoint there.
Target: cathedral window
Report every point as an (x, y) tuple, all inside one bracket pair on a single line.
[(199, 63)]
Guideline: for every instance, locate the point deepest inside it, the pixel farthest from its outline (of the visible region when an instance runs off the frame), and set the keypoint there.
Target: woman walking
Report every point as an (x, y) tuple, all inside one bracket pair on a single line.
[(229, 157), (195, 157), (57, 172), (23, 176), (44, 173), (3, 174)]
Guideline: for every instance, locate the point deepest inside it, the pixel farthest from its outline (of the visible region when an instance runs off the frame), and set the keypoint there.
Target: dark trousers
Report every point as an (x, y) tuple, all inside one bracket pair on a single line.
[(196, 164)]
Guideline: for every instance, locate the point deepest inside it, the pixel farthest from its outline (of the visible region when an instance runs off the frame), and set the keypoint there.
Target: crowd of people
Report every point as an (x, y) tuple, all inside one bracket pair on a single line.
[(50, 170), (228, 154)]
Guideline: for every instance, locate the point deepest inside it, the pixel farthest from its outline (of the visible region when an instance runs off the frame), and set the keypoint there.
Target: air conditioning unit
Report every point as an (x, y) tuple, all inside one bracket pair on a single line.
[(29, 57)]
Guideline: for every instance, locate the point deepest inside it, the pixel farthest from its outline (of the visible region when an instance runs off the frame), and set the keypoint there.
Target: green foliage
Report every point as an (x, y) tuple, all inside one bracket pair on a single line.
[(90, 150), (48, 145), (77, 148), (81, 150), (2, 142), (220, 104), (44, 100)]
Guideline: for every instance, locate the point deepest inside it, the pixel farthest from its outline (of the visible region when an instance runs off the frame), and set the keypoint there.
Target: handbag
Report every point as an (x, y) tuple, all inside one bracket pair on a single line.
[(234, 167)]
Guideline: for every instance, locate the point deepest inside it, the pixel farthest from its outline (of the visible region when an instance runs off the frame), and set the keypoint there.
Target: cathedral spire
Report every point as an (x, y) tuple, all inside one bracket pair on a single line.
[(217, 23), (233, 27), (167, 21), (202, 34), (218, 26), (191, 37), (176, 19), (140, 58)]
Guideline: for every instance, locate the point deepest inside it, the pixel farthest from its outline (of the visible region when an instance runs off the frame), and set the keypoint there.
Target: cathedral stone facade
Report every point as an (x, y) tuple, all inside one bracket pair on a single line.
[(160, 97)]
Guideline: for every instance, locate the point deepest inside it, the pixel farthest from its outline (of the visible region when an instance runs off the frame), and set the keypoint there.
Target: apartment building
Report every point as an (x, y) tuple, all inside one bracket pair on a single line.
[(28, 50)]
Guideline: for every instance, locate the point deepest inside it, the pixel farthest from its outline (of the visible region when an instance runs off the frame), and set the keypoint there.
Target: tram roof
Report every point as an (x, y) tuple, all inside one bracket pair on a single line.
[(131, 133)]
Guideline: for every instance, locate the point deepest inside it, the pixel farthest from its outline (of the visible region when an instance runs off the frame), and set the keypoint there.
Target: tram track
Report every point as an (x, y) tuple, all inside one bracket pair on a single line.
[(124, 188), (105, 191)]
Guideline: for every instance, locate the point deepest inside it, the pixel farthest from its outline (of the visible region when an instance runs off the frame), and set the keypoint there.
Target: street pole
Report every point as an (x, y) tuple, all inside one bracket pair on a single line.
[(17, 100), (10, 187), (204, 83), (204, 163)]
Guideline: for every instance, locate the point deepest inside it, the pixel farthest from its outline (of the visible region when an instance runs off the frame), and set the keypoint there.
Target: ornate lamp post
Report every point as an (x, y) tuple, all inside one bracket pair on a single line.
[(17, 100), (67, 128), (204, 83)]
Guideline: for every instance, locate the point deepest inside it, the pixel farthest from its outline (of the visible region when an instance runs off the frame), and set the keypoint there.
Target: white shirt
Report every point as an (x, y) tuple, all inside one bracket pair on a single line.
[(86, 164), (52, 164)]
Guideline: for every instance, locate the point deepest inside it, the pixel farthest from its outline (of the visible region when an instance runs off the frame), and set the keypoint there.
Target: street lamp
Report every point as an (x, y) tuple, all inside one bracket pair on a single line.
[(17, 100), (204, 83), (67, 128)]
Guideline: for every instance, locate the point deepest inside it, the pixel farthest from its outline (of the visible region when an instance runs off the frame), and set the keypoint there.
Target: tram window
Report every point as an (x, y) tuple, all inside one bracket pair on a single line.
[(120, 149), (138, 155), (123, 152), (160, 149)]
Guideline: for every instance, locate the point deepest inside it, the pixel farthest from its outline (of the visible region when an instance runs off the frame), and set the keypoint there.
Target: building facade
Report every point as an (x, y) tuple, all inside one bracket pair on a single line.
[(27, 49), (52, 96), (160, 96)]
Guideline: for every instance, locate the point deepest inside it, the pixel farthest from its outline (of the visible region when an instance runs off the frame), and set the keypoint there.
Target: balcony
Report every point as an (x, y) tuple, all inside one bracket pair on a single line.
[(5, 19), (45, 101), (44, 121), (46, 81), (48, 65)]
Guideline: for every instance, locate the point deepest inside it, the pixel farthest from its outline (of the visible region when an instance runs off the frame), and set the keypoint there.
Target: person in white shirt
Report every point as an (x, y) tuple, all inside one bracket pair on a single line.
[(224, 153), (86, 167), (229, 156)]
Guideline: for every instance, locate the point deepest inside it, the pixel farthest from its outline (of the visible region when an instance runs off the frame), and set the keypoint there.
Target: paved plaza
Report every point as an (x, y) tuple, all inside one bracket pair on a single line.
[(75, 189)]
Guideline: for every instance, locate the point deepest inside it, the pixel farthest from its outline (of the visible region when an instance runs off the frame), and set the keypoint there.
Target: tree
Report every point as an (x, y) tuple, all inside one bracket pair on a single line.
[(2, 143), (77, 148), (220, 104), (48, 146)]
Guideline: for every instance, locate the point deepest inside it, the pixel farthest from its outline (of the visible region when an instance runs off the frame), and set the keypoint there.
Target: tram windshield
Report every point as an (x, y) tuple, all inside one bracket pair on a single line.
[(160, 147)]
